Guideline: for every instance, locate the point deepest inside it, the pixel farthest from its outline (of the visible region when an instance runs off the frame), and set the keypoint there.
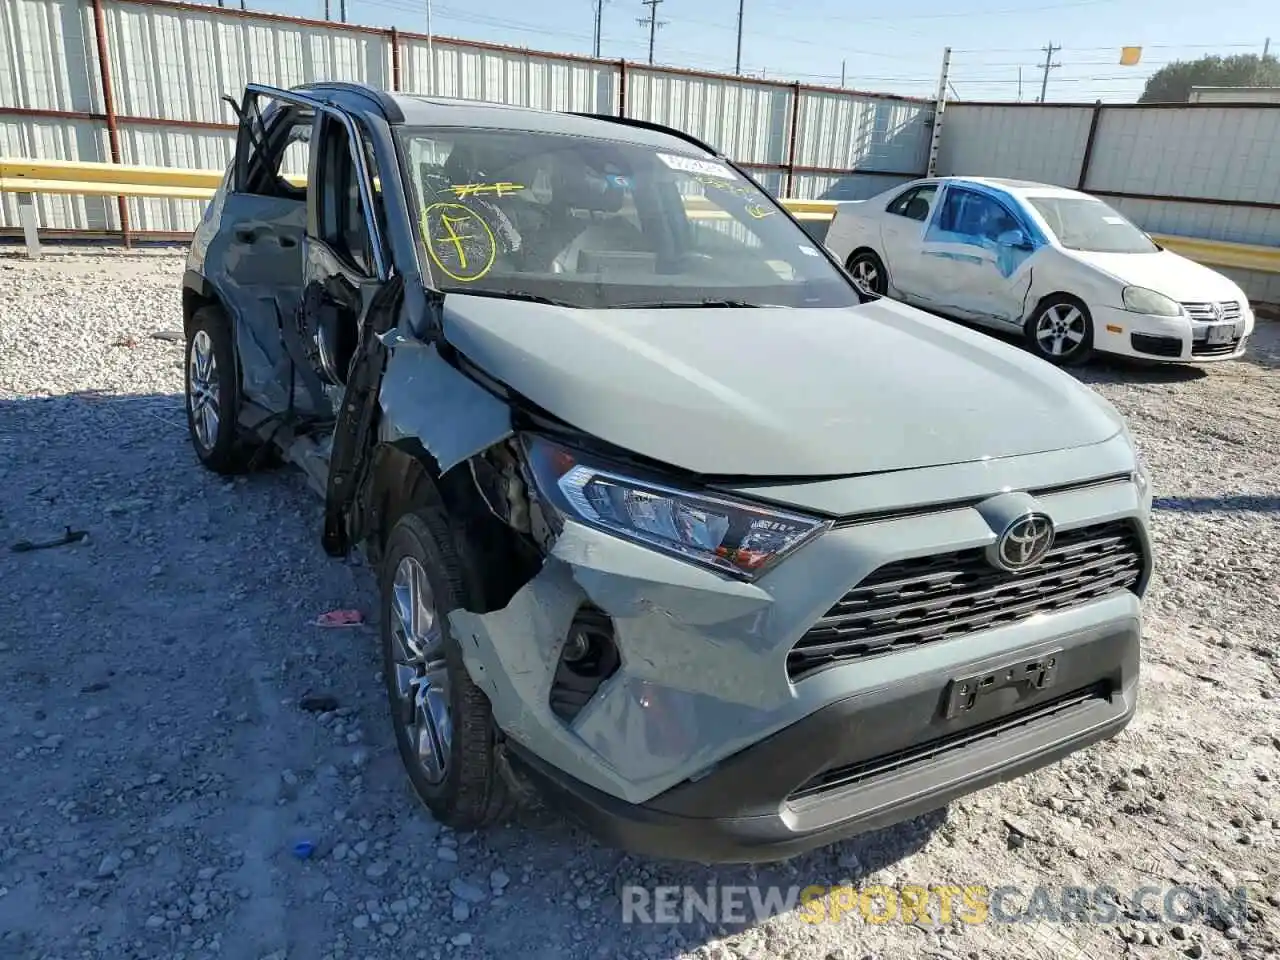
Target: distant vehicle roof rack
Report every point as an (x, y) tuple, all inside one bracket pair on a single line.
[(385, 103), (657, 127)]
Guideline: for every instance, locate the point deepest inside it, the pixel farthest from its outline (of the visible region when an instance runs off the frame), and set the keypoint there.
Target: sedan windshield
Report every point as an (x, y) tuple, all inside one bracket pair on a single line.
[(1086, 224), (596, 223)]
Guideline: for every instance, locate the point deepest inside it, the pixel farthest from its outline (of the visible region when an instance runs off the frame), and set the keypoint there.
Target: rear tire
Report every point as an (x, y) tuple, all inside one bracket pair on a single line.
[(869, 274), (442, 721), (1060, 330), (213, 393)]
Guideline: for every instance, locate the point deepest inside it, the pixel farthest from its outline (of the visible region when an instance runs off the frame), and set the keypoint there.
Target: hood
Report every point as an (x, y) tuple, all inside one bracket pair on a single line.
[(1165, 272), (759, 392)]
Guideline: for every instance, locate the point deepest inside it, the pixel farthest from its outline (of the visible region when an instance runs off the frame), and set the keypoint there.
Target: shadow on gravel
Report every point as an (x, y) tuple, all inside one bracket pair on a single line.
[(1228, 503), (693, 904), (121, 467), (1112, 369)]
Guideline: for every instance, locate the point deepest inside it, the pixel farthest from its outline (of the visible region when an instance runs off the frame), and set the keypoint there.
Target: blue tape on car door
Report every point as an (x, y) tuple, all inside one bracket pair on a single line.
[(1007, 259)]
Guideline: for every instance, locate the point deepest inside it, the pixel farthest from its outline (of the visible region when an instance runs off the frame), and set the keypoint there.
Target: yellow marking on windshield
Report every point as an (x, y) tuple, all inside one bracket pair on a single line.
[(725, 186), (451, 228), (759, 211), (501, 189)]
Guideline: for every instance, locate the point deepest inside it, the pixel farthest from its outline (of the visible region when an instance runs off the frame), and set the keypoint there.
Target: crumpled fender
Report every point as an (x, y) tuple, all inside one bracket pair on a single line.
[(640, 734), (425, 397)]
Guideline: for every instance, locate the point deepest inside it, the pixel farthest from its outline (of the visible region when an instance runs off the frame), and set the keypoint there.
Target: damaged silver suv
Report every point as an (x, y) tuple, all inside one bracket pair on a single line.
[(670, 527)]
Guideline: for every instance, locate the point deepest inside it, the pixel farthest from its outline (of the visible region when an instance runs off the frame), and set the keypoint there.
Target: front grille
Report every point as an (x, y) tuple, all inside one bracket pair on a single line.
[(861, 771), (922, 600), (1204, 312), (1200, 348), (1156, 346)]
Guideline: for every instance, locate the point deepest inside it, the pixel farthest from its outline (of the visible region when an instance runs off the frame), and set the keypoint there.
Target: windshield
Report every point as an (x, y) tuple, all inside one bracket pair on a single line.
[(596, 223), (1083, 223)]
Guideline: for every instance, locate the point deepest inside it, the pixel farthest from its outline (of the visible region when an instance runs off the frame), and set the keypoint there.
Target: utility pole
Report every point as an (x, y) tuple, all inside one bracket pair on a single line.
[(599, 18), (939, 105), (842, 64), (1019, 84), (1048, 65), (652, 22), (737, 63), (431, 54), (328, 12)]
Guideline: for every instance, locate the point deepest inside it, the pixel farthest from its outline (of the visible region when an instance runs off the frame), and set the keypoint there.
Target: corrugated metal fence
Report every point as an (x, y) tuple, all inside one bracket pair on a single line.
[(141, 82), (1210, 171)]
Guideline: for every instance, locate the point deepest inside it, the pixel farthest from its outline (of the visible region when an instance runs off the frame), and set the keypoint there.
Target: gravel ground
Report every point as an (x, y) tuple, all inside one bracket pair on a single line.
[(161, 765)]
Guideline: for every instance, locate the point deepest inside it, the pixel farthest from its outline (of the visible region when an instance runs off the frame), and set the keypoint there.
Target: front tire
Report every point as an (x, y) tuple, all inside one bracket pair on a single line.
[(213, 393), (443, 723), (1061, 331), (869, 274)]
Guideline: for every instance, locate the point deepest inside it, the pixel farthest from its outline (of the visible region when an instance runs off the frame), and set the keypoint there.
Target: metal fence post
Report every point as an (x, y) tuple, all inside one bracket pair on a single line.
[(1088, 144), (30, 225), (395, 59), (109, 104), (791, 146)]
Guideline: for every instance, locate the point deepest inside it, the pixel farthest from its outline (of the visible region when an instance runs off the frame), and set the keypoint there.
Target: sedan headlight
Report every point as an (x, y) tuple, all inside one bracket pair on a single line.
[(730, 536), (1142, 300)]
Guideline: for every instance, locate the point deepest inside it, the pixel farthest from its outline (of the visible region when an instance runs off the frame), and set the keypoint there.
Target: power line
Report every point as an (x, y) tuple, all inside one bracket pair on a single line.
[(1048, 65), (652, 22)]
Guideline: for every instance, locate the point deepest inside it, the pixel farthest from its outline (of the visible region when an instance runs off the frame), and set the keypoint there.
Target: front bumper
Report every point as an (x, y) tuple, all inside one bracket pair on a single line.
[(708, 676), (867, 762), (1169, 339)]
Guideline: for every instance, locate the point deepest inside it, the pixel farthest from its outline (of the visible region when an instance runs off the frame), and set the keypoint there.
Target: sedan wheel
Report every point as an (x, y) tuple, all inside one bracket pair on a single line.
[(1061, 331), (868, 274)]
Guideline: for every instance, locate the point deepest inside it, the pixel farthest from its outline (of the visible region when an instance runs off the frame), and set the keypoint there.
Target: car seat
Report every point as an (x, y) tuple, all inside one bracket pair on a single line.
[(584, 190)]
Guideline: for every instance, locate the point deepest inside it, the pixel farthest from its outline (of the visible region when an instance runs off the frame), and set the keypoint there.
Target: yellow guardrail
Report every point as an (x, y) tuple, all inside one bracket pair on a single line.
[(19, 175)]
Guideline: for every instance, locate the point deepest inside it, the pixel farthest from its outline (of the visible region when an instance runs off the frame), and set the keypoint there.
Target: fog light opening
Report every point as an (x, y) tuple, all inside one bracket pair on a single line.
[(588, 658)]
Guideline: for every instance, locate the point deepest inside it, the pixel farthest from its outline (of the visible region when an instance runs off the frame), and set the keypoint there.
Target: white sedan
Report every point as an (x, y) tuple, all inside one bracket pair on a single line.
[(1062, 267)]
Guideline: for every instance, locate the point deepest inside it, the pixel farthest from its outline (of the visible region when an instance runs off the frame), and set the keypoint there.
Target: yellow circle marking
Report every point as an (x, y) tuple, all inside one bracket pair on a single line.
[(453, 217)]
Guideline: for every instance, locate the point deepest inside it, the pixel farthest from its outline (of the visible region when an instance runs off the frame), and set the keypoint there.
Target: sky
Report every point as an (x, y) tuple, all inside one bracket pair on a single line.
[(892, 47)]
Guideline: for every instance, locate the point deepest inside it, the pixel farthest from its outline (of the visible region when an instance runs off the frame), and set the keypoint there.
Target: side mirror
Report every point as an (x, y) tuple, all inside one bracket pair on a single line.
[(1015, 239)]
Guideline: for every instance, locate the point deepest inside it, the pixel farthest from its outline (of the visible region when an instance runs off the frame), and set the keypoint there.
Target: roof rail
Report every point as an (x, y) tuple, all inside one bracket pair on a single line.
[(385, 103), (657, 127)]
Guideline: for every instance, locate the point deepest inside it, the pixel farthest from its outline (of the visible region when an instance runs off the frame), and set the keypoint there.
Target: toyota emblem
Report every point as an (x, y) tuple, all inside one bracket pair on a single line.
[(1024, 543)]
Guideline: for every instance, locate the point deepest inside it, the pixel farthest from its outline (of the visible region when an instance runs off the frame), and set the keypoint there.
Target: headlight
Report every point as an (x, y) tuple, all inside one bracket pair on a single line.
[(740, 539), (1142, 300)]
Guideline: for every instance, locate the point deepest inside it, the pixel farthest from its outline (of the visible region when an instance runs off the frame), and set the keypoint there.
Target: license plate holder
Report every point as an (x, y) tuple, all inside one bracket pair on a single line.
[(1220, 333), (1039, 673)]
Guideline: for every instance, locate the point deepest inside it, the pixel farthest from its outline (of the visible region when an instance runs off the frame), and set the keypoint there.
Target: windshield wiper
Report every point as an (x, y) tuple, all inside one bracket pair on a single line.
[(683, 304), (513, 295)]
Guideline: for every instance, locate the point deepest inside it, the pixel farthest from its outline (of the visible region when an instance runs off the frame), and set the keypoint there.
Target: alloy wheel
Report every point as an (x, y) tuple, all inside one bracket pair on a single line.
[(422, 674), (202, 386), (866, 276), (1060, 330)]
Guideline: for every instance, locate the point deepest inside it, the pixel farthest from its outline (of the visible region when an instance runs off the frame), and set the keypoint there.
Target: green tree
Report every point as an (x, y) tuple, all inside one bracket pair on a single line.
[(1172, 83)]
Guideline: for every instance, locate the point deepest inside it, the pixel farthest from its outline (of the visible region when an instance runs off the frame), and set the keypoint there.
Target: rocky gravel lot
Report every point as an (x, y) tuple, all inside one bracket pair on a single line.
[(167, 742)]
